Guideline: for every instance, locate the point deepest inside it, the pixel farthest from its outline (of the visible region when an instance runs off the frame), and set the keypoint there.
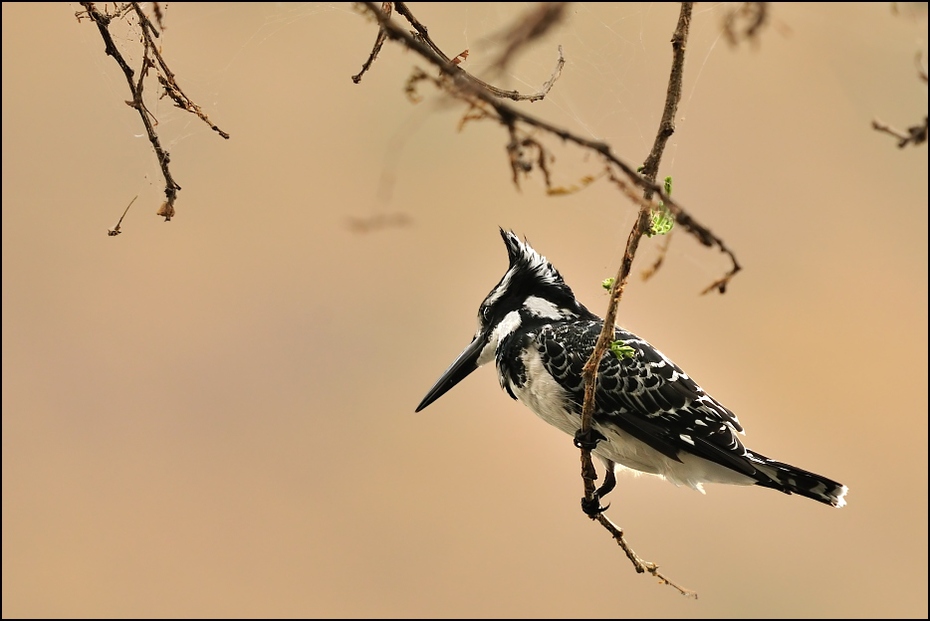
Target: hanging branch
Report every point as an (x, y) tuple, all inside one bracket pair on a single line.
[(389, 29), (115, 230), (744, 22), (486, 103), (640, 227), (386, 8), (151, 58), (915, 134)]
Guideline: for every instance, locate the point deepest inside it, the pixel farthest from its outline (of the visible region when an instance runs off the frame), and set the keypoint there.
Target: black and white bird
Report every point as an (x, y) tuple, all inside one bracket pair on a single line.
[(649, 416)]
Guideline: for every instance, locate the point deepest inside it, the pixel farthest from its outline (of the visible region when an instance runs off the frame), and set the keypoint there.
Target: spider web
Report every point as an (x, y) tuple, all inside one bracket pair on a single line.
[(612, 86)]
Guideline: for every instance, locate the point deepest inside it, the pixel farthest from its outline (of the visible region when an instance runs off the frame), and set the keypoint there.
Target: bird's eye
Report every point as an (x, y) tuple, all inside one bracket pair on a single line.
[(485, 313)]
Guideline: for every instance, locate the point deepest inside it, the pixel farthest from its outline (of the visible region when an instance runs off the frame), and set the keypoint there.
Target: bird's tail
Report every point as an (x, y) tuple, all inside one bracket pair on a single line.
[(791, 480)]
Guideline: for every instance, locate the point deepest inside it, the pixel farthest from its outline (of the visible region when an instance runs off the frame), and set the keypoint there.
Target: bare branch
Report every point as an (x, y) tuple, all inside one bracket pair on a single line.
[(650, 271), (915, 134), (529, 27), (103, 23), (166, 76), (115, 230), (589, 373), (386, 8), (422, 37), (745, 21), (151, 58), (461, 84), (525, 151)]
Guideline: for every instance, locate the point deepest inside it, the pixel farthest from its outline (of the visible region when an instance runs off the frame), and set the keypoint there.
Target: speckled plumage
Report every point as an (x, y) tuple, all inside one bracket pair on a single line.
[(650, 416)]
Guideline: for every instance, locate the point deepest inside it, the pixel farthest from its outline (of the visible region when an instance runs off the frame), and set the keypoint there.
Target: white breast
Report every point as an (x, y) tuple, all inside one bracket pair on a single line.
[(548, 400)]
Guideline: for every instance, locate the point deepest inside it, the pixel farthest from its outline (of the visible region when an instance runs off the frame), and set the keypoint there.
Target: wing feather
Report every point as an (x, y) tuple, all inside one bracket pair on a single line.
[(647, 395)]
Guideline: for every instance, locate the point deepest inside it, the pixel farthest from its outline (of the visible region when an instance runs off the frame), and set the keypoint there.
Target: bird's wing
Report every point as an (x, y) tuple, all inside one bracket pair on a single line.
[(645, 394)]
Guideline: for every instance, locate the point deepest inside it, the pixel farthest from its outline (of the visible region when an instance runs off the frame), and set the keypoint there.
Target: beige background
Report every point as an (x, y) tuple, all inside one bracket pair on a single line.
[(214, 416)]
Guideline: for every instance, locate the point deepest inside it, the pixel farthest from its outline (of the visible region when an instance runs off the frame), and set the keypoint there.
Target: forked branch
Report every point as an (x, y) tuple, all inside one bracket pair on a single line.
[(526, 152), (151, 59), (640, 227), (485, 103)]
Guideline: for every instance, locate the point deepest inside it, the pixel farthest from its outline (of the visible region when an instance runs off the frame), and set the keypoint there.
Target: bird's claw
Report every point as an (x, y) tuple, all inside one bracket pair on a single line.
[(592, 507), (588, 440)]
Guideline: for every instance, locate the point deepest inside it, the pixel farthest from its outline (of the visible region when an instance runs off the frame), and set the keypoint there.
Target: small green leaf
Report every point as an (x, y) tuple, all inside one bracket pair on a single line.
[(607, 283), (622, 351), (662, 220)]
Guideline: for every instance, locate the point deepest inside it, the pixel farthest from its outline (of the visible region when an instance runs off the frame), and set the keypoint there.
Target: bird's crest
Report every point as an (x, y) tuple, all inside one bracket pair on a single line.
[(524, 258)]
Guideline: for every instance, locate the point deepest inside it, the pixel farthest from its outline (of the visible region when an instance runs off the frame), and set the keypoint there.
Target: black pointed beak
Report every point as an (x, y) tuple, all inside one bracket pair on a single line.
[(457, 371)]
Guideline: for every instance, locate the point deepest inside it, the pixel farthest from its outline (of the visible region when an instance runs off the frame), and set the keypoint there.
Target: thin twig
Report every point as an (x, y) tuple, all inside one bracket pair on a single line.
[(484, 102), (529, 27), (171, 186), (165, 77), (388, 28), (642, 224), (640, 564), (915, 134), (386, 8), (650, 271), (472, 90), (115, 230), (745, 21)]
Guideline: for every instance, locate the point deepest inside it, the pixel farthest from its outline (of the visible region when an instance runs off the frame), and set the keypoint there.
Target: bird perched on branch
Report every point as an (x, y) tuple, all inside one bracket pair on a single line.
[(649, 415)]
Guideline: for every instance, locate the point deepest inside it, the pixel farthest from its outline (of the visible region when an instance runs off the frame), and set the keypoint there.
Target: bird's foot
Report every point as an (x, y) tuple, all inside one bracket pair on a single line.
[(593, 508), (588, 440)]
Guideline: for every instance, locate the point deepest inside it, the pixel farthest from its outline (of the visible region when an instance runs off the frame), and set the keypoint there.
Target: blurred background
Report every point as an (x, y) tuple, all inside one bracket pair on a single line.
[(214, 416)]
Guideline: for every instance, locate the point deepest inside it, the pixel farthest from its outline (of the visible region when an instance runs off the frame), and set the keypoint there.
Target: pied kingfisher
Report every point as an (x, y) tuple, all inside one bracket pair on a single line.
[(649, 415)]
